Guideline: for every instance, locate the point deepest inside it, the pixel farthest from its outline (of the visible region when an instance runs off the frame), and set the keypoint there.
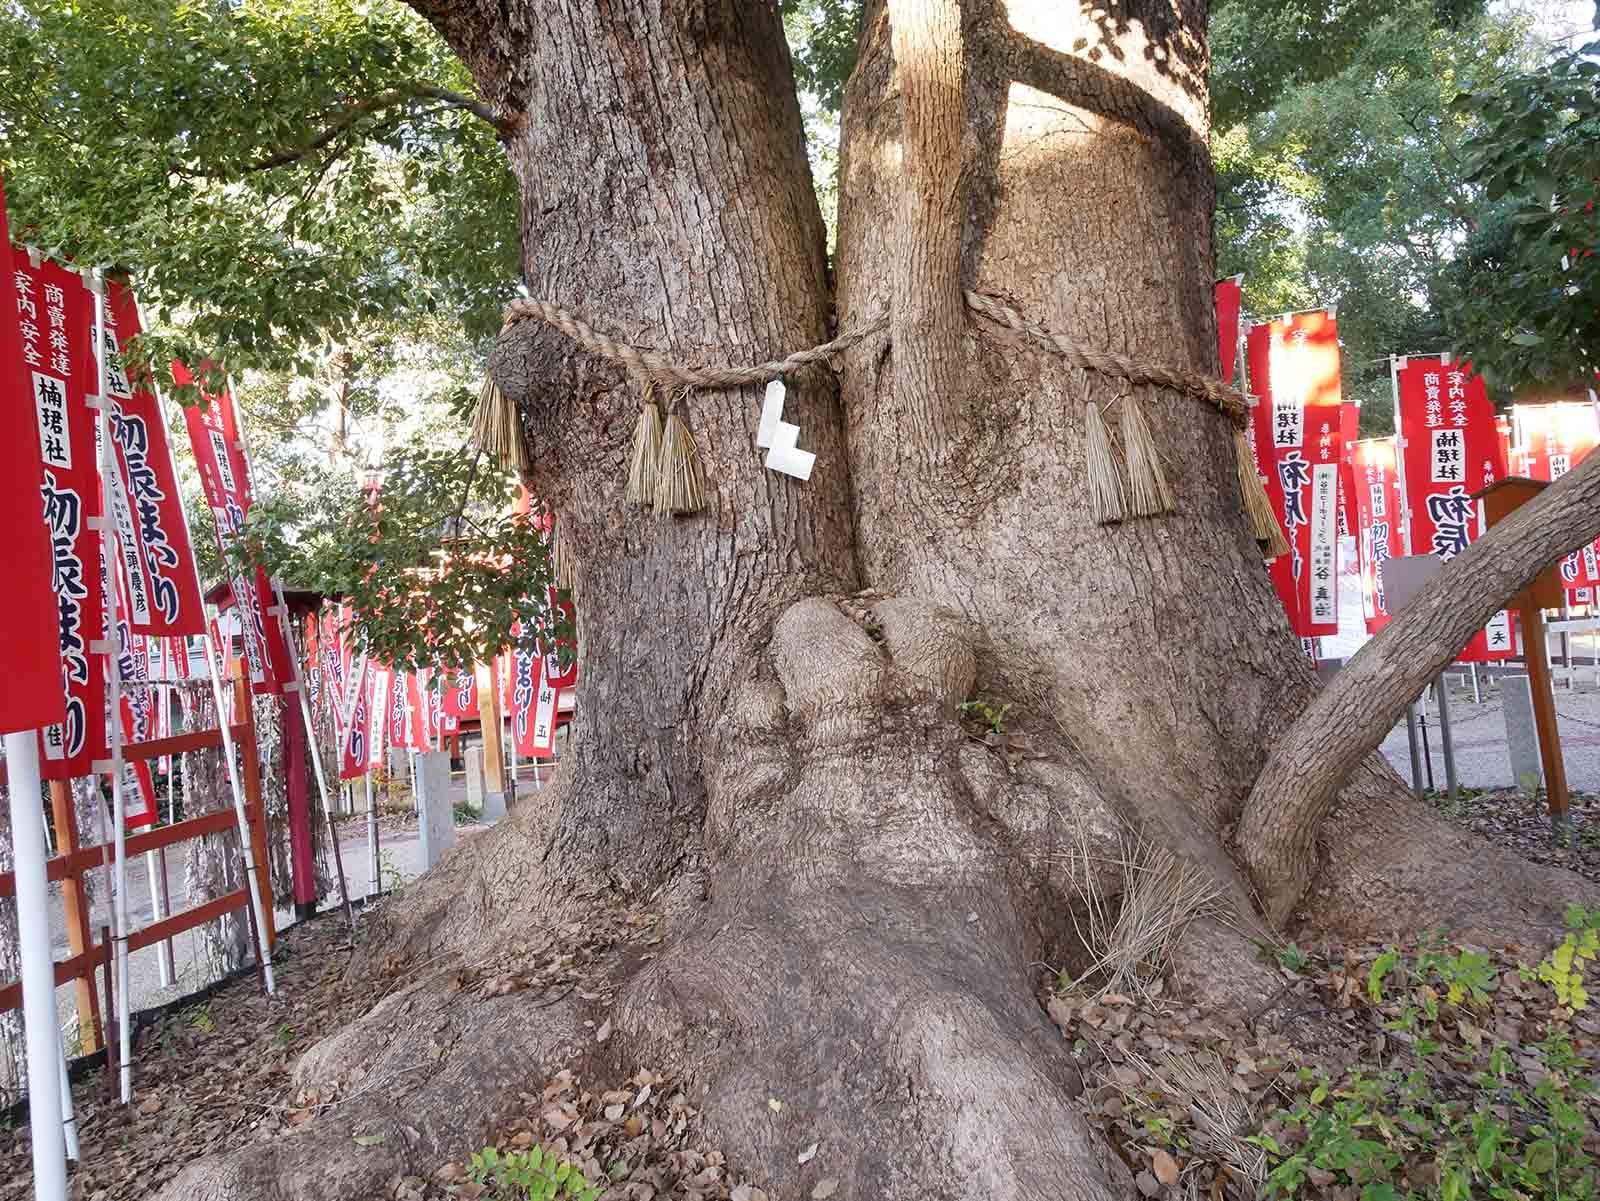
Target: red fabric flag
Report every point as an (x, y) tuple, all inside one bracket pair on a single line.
[(1550, 440), (155, 555), (225, 476), (1378, 520), (1229, 298), (33, 696), (1349, 432), (524, 677), (399, 711), (354, 742), (57, 307), (419, 722), (1294, 371), (460, 693), (1449, 450)]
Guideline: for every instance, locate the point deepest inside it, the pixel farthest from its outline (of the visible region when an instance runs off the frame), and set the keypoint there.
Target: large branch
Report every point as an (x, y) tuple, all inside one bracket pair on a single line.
[(929, 317), (351, 114), (1349, 718)]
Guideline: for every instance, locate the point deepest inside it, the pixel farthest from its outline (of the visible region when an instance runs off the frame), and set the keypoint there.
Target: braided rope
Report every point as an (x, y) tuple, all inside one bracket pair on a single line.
[(651, 364)]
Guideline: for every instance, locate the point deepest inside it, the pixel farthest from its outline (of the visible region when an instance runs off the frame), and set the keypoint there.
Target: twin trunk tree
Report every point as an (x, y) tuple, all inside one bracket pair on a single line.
[(769, 747)]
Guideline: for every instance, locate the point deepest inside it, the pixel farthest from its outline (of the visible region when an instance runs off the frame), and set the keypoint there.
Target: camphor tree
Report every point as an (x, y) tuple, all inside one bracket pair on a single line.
[(854, 894)]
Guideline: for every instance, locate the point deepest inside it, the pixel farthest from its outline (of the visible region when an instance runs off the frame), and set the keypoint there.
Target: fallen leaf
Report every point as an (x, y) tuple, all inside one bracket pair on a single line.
[(367, 1140), (150, 1106), (774, 1104), (613, 1112), (808, 1154), (604, 1032), (1166, 1168), (826, 1187)]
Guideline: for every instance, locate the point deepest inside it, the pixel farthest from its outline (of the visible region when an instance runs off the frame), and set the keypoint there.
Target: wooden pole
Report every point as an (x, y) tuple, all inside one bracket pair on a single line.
[(80, 935), (494, 760), (1535, 652)]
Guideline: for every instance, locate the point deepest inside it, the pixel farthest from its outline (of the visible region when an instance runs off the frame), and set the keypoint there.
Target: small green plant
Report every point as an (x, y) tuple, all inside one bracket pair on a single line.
[(284, 1036), (988, 713), (531, 1175), (1291, 958), (200, 1018), (1563, 969), (389, 876)]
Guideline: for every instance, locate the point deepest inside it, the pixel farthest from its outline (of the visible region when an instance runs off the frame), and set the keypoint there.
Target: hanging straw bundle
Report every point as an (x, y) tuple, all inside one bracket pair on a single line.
[(561, 561), (497, 429), (1148, 493), (680, 488), (1263, 522), (645, 468), (1100, 469)]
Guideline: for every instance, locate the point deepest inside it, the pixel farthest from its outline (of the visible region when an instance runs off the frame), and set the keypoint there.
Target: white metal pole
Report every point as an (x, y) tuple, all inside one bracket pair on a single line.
[(372, 838), (38, 969), (311, 741), (106, 464), (69, 1122), (239, 811)]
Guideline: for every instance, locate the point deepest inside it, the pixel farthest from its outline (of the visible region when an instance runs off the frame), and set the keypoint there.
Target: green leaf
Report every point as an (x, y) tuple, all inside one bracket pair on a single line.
[(367, 1140)]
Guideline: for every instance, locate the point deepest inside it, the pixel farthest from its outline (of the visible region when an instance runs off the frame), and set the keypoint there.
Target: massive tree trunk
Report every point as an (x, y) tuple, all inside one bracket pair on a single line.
[(854, 891)]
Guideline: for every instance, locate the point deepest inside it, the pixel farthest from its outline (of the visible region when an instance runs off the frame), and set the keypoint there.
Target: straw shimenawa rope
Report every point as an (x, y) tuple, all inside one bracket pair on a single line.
[(650, 364)]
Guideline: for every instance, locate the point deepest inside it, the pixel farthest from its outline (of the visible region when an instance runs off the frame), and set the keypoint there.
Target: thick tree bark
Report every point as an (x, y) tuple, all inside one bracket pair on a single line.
[(1345, 723), (855, 895)]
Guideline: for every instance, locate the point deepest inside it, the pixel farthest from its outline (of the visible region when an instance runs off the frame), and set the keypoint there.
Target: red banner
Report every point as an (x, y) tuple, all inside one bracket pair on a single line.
[(55, 310), (219, 454), (1349, 434), (460, 694), (1294, 371), (399, 711), (153, 541), (33, 696), (419, 716), (1377, 522), (355, 738), (1229, 297), (378, 728), (1547, 441), (1449, 450), (526, 674)]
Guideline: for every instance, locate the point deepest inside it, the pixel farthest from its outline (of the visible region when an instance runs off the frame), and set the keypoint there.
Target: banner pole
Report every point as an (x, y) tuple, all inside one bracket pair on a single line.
[(316, 753), (372, 838), (240, 814), (106, 465), (43, 1036)]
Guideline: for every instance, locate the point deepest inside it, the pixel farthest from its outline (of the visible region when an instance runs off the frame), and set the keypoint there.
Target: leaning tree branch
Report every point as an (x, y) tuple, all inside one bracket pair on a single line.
[(1349, 718), (353, 113), (928, 318)]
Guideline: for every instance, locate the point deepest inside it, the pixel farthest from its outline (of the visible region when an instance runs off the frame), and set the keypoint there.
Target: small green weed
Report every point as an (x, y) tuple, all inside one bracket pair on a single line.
[(531, 1175), (987, 712), (200, 1018)]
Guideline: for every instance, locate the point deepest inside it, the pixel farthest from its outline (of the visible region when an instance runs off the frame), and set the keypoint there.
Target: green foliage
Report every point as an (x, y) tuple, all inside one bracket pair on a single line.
[(822, 38), (1563, 969), (275, 172), (1350, 190), (1439, 1130), (988, 712), (1529, 277), (531, 1175)]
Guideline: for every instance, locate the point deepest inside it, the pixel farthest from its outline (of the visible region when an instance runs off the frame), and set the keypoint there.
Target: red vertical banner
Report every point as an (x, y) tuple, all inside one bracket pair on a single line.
[(1450, 449), (163, 587), (355, 735), (56, 316), (1378, 515), (33, 696), (526, 675), (420, 712), (460, 694), (399, 710), (1294, 372), (1349, 434), (1550, 440), (378, 725), (1228, 296), (225, 476)]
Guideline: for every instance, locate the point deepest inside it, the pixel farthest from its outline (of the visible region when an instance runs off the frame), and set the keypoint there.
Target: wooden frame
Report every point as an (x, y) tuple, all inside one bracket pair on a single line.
[(73, 861)]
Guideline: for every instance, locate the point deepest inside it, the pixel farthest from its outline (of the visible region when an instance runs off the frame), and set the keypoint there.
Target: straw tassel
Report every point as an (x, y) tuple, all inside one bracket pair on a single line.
[(680, 488), (1263, 522), (645, 469), (497, 429), (1100, 468), (1148, 493), (561, 560)]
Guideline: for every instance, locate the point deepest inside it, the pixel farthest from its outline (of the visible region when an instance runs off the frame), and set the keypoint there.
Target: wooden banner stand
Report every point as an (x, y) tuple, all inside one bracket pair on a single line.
[(1500, 500), (73, 861)]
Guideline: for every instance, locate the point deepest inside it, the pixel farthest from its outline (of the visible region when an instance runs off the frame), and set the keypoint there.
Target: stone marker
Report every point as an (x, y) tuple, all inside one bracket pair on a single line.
[(1522, 733), (436, 820), (472, 758)]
